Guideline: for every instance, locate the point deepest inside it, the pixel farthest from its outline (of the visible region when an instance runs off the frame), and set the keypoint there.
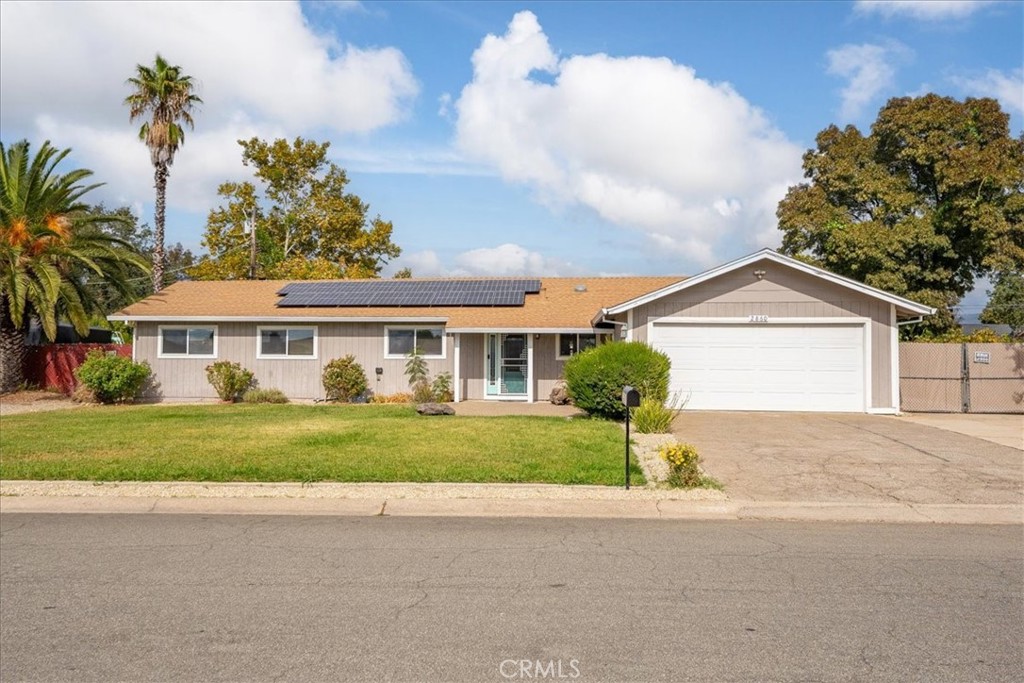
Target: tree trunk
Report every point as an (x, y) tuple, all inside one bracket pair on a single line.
[(12, 352), (160, 178)]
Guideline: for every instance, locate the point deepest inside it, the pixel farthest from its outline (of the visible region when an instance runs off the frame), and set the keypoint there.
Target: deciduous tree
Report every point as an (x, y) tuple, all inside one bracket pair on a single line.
[(1006, 302), (926, 203), (307, 226)]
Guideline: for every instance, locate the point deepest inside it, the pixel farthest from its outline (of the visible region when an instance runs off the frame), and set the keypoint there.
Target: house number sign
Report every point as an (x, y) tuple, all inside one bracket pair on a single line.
[(757, 319)]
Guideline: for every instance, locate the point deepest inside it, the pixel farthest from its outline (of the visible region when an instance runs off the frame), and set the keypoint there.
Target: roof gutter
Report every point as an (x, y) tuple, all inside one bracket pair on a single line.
[(602, 318)]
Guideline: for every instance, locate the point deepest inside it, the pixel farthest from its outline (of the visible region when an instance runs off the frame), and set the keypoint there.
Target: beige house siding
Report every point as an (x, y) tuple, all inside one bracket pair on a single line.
[(782, 293), (185, 378)]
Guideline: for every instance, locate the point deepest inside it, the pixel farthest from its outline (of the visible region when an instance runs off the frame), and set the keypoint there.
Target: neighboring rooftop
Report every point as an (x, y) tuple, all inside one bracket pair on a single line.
[(560, 303)]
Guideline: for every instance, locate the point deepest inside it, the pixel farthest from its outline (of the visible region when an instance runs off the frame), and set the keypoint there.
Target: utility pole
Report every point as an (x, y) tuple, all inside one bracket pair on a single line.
[(250, 229)]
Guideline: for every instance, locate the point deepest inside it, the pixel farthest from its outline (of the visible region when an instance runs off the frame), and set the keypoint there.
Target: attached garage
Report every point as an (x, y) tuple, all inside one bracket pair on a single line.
[(737, 366), (768, 332)]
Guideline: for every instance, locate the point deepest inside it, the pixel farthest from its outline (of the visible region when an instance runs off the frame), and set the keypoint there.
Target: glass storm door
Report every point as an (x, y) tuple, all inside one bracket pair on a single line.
[(507, 371)]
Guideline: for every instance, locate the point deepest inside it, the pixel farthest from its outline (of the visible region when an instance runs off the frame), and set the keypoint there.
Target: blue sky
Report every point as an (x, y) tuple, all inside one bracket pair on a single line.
[(508, 137)]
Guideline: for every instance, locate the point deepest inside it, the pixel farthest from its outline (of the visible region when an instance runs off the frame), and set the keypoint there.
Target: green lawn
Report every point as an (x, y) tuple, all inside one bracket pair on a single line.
[(307, 443)]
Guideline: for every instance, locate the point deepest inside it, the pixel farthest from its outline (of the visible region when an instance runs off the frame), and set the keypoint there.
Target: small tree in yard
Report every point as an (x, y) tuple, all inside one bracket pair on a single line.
[(344, 379), (419, 377)]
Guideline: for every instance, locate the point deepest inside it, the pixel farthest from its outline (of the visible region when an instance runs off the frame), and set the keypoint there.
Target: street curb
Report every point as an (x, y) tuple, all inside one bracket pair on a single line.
[(660, 509)]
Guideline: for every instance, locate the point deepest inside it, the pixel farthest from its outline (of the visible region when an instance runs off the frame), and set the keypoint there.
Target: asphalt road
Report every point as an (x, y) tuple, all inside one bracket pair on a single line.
[(185, 597)]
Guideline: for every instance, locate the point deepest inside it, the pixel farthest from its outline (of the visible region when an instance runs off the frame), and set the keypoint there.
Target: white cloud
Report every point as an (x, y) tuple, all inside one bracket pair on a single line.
[(869, 70), (259, 67), (925, 10), (642, 141), (1008, 88), (422, 263), (501, 261), (510, 259)]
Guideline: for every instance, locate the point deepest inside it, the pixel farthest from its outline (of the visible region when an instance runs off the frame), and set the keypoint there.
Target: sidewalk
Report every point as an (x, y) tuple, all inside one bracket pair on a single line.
[(464, 500)]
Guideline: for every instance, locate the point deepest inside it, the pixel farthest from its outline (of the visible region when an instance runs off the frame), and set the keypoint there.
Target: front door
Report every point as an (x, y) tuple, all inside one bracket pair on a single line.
[(507, 372)]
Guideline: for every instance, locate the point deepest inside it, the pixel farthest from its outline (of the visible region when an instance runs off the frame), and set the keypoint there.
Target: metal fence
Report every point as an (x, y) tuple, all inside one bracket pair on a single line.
[(962, 378)]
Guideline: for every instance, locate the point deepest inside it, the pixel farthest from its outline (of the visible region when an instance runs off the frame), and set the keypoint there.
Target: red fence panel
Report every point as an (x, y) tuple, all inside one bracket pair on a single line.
[(52, 366)]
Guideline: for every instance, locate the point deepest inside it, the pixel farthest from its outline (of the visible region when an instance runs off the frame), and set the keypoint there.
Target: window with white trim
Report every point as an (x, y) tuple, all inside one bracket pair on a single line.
[(570, 344), (188, 342), (399, 342), (286, 342)]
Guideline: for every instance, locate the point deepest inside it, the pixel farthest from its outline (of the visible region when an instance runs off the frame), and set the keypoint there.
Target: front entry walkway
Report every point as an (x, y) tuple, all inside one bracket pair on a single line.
[(494, 408), (848, 458)]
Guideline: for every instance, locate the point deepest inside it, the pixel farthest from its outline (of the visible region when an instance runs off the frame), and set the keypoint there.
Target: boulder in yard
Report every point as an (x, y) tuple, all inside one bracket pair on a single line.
[(560, 394), (434, 409)]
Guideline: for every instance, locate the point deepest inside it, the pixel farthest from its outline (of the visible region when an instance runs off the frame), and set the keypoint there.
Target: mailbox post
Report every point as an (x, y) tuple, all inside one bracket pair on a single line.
[(630, 399)]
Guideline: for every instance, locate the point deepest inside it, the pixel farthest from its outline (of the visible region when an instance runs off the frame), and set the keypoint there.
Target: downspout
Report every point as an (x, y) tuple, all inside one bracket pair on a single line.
[(912, 321)]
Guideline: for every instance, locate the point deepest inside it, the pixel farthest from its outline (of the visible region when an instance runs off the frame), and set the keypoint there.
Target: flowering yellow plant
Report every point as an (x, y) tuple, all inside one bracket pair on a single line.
[(684, 464), (679, 454)]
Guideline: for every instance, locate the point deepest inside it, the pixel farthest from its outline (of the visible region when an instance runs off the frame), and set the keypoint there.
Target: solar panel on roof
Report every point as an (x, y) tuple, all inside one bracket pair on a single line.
[(424, 293)]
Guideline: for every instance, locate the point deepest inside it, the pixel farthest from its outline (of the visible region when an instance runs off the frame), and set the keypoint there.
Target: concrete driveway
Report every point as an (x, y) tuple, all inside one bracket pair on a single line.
[(850, 458)]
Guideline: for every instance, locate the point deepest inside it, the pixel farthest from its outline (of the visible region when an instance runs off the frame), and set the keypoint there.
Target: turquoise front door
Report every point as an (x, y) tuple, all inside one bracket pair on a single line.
[(507, 370)]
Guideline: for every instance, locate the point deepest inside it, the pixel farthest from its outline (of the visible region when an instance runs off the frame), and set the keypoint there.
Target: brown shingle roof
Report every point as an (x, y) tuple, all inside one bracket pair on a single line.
[(557, 306)]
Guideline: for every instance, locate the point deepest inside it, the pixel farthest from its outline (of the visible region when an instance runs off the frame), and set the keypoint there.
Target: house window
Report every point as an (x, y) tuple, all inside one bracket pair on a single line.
[(568, 344), (287, 342), (191, 342), (400, 341)]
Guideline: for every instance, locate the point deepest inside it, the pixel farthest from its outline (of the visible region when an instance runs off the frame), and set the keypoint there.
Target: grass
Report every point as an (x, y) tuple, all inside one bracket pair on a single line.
[(370, 443)]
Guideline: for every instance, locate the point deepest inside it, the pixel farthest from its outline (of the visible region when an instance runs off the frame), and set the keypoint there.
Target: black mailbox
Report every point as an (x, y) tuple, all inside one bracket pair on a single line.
[(630, 397)]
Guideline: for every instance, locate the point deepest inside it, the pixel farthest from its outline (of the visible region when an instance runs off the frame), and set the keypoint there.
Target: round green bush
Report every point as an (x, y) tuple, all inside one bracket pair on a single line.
[(344, 379), (595, 377), (229, 380), (112, 379)]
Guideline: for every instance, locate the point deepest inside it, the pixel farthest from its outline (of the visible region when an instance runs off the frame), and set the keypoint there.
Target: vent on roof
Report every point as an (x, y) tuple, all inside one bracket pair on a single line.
[(580, 288), (424, 293)]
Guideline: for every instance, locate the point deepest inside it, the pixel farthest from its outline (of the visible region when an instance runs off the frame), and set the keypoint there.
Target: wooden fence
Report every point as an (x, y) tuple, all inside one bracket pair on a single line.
[(52, 366)]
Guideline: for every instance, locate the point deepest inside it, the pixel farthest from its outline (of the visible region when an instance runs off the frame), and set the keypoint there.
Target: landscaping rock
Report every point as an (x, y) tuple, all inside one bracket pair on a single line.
[(434, 409), (560, 394)]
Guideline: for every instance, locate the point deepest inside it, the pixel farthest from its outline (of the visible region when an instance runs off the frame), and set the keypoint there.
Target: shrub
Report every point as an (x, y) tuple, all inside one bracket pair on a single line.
[(683, 465), (423, 392), (655, 417), (442, 388), (596, 376), (344, 379), (229, 380), (264, 396), (652, 417), (112, 379), (400, 397)]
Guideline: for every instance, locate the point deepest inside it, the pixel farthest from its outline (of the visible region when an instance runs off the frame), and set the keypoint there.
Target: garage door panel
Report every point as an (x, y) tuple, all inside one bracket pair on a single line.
[(765, 367)]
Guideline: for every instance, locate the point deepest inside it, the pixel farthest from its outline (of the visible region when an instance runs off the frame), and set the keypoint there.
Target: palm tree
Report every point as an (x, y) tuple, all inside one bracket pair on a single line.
[(52, 255), (165, 92)]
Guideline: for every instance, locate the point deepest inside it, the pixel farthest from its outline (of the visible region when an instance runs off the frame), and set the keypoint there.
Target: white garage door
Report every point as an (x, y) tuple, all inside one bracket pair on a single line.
[(765, 367)]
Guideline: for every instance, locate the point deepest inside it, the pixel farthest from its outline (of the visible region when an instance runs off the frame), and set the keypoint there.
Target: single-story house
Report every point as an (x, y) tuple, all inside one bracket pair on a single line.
[(763, 332)]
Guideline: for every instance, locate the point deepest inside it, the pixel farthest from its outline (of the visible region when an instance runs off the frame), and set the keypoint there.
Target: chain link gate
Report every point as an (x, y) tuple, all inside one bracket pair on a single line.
[(961, 378)]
